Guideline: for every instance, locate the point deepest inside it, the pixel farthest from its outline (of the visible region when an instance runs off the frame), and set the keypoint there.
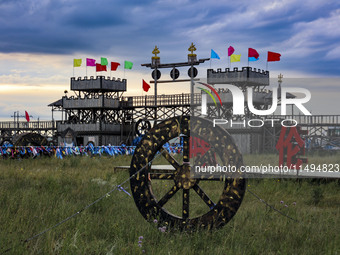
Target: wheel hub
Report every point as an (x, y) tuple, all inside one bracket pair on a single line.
[(183, 179)]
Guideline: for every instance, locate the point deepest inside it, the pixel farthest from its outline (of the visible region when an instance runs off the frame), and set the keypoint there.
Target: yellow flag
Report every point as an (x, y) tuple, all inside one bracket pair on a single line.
[(235, 58), (76, 62)]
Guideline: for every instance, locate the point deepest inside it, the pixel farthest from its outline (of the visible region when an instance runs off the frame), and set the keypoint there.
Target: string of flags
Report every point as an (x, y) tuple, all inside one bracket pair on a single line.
[(102, 65), (10, 151), (253, 55)]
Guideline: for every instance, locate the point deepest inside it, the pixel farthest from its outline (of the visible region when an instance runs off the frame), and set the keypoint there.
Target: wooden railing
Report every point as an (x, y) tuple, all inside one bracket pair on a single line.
[(162, 100), (36, 125)]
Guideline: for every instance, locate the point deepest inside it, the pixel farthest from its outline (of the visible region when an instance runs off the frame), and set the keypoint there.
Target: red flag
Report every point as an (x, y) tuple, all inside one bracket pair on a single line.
[(273, 56), (252, 53), (27, 117), (100, 68), (146, 86), (114, 66)]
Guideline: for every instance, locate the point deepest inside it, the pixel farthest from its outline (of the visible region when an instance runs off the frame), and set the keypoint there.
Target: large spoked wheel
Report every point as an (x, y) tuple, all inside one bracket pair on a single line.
[(31, 139), (172, 195), (142, 127)]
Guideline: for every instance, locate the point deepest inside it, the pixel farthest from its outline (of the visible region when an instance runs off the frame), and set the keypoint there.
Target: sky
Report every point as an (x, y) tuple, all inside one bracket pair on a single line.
[(40, 38)]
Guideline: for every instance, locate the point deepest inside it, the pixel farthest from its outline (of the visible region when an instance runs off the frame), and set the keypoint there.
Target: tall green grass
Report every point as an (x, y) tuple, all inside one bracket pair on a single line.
[(36, 194)]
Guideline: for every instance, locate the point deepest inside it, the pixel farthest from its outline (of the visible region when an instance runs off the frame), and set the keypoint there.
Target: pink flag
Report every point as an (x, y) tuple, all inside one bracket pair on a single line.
[(230, 51), (27, 117), (90, 62), (253, 53)]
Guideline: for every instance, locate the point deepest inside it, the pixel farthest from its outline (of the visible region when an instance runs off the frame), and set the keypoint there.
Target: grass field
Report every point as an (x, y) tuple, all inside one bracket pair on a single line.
[(36, 194)]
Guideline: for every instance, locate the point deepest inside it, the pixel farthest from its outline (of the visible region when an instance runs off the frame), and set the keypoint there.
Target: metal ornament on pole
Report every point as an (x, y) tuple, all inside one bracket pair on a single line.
[(155, 61)]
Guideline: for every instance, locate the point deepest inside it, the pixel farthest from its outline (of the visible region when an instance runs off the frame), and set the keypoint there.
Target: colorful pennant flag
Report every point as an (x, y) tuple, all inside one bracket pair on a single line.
[(76, 62), (114, 66), (235, 58), (231, 51), (252, 53), (273, 56), (27, 116), (253, 59), (146, 86), (103, 61), (214, 54), (128, 65), (90, 62), (100, 68)]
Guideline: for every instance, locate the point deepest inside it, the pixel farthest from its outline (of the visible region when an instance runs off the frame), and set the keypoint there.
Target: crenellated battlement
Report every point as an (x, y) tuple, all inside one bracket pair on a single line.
[(96, 102), (246, 76), (98, 83)]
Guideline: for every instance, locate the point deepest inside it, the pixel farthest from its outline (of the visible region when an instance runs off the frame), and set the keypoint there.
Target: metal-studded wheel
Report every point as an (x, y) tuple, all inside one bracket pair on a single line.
[(204, 202), (28, 139), (142, 127)]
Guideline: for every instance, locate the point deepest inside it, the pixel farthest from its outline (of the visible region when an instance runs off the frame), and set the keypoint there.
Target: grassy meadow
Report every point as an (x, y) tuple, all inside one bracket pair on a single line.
[(37, 193)]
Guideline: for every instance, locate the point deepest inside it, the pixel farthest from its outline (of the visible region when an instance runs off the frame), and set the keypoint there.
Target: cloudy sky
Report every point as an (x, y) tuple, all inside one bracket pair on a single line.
[(40, 38)]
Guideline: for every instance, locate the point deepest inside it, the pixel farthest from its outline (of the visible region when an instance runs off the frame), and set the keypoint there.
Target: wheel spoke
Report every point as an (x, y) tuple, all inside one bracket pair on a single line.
[(169, 158), (162, 176), (186, 149), (162, 171), (204, 196), (167, 196), (185, 212)]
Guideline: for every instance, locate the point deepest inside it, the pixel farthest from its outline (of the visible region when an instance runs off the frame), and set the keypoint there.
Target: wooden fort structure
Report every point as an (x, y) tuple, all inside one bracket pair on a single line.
[(100, 114)]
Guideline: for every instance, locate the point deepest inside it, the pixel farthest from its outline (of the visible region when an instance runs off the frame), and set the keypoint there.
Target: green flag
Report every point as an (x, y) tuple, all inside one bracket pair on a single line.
[(103, 62), (128, 65), (76, 62)]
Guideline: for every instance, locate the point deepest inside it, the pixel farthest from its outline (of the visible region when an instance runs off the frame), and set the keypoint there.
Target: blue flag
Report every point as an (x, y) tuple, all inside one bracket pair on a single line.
[(214, 54), (253, 59)]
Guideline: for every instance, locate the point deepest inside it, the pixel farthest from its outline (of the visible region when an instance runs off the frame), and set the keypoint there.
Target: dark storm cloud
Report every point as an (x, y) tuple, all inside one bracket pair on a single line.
[(132, 28), (61, 26)]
